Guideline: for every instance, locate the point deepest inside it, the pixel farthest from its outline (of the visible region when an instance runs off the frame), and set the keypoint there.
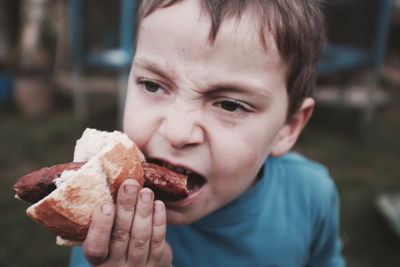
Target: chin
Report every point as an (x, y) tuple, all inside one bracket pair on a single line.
[(180, 218)]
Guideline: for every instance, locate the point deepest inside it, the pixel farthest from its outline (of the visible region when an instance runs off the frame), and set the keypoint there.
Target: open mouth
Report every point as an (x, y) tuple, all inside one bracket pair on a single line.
[(194, 180)]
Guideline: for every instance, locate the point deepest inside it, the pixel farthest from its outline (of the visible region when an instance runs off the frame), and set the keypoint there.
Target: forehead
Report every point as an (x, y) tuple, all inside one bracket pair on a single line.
[(190, 24), (174, 49)]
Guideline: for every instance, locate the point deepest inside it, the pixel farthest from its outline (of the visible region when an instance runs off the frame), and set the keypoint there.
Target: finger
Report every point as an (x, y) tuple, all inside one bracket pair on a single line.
[(158, 248), (141, 229), (95, 246), (125, 210)]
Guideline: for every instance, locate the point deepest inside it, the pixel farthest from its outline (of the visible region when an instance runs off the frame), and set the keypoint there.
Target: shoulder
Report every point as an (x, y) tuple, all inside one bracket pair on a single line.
[(303, 179), (311, 201), (295, 168), (295, 162)]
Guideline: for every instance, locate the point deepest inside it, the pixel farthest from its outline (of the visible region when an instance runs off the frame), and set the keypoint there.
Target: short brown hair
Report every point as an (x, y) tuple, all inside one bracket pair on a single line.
[(297, 25)]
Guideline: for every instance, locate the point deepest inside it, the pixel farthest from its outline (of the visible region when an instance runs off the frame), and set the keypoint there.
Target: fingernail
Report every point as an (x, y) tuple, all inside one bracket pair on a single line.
[(158, 206), (145, 196), (130, 189), (106, 208)]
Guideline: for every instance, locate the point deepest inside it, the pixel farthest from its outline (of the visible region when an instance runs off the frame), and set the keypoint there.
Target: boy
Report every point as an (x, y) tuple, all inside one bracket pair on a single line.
[(222, 89)]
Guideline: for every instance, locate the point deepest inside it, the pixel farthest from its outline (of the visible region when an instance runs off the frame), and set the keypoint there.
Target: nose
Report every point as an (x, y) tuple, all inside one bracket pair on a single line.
[(181, 127)]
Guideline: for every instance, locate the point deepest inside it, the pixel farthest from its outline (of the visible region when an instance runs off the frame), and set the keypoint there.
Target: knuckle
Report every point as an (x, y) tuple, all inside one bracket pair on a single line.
[(140, 243), (157, 242), (120, 235), (127, 204), (144, 211), (100, 225), (101, 229)]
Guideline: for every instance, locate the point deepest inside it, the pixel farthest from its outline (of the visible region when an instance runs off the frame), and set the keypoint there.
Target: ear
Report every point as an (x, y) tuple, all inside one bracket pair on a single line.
[(289, 133)]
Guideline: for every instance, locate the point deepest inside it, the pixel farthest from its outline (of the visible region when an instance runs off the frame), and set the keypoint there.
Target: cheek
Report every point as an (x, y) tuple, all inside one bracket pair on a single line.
[(239, 159), (240, 153), (248, 146), (137, 120), (240, 165)]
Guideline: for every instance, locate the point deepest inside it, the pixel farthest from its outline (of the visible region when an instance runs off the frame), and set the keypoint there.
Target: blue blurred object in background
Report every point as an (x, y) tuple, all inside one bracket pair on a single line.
[(6, 88), (113, 59), (366, 46), (364, 26)]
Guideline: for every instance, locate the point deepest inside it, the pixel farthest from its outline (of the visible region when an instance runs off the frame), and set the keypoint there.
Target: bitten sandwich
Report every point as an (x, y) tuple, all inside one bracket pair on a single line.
[(64, 196)]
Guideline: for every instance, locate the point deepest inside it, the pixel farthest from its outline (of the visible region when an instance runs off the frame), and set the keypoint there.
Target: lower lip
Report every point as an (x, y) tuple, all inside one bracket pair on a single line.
[(184, 202)]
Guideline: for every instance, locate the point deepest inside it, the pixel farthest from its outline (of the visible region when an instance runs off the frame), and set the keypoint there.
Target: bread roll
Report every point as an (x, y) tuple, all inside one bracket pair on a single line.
[(111, 158)]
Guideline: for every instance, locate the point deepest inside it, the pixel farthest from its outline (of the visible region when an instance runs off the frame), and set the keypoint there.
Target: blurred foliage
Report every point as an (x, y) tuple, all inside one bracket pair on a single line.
[(363, 166), (27, 145)]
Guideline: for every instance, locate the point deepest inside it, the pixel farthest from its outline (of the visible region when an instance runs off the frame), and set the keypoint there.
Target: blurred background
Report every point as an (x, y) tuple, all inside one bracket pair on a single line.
[(64, 65)]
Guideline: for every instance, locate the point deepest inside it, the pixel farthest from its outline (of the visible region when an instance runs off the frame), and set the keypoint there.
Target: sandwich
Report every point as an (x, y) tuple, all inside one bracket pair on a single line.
[(63, 197)]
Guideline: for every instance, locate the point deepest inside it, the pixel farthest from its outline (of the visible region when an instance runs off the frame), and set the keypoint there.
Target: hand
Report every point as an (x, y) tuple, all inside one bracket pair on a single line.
[(131, 233)]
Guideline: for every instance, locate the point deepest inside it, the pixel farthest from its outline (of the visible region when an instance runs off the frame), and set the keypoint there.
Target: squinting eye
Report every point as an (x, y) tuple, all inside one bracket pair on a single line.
[(150, 86), (232, 106)]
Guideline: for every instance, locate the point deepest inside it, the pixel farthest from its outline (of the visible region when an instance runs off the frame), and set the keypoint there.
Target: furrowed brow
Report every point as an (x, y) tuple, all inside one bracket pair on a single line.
[(152, 67), (252, 92)]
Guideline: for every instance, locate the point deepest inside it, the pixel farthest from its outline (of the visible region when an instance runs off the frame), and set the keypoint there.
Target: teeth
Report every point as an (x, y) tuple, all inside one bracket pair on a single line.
[(180, 170)]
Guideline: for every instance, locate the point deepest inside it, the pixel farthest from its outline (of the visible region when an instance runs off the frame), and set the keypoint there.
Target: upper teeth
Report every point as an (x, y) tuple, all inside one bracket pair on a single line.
[(176, 169)]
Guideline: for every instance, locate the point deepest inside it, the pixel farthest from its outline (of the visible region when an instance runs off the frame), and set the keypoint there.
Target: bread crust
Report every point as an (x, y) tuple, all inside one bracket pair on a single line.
[(48, 214), (122, 163), (67, 211)]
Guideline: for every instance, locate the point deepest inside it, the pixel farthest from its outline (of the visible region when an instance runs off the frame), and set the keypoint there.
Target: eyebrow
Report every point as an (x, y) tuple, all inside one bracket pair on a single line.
[(152, 67), (235, 87)]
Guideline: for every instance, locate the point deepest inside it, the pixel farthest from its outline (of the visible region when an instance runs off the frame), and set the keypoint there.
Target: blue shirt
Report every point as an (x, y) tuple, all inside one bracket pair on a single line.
[(289, 218)]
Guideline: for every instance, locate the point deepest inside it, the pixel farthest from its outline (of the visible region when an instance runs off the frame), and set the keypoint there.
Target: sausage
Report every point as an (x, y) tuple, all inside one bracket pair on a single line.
[(166, 184), (38, 184)]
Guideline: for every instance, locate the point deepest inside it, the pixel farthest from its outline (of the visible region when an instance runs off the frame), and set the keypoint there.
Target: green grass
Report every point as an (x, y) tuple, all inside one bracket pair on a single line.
[(361, 168)]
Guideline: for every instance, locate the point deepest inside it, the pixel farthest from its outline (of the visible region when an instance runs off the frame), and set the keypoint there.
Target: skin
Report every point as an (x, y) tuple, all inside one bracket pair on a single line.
[(217, 109)]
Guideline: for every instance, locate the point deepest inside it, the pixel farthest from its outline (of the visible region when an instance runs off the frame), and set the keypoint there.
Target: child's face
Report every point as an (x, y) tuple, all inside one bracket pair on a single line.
[(217, 110)]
